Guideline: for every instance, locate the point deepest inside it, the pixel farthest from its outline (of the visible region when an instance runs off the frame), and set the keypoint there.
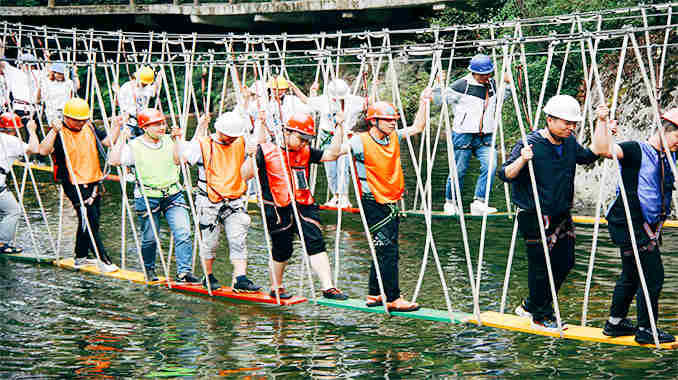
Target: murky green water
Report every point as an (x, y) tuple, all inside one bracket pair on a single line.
[(62, 324)]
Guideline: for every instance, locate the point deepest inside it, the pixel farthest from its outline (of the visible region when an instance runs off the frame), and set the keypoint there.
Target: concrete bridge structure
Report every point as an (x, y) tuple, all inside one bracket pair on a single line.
[(240, 15)]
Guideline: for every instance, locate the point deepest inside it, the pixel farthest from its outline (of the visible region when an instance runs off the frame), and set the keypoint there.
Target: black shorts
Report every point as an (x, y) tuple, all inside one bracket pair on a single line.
[(282, 228)]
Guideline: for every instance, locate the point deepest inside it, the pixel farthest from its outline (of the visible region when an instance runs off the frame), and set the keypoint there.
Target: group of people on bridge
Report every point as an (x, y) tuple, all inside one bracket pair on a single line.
[(271, 139)]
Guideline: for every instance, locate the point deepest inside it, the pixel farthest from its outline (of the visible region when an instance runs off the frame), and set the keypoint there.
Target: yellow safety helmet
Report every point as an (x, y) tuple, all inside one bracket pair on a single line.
[(278, 82), (76, 108), (145, 75)]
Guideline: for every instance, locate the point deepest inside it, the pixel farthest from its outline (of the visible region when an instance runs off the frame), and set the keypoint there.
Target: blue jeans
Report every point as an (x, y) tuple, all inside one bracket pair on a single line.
[(176, 213), (465, 145), (333, 175)]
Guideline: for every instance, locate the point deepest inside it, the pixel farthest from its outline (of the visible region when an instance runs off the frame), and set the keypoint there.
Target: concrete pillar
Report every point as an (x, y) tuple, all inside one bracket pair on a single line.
[(51, 3), (132, 3)]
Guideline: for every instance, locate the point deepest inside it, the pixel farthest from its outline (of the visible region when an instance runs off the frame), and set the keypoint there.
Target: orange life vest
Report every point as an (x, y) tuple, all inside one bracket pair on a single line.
[(81, 147), (222, 168), (383, 169), (296, 166)]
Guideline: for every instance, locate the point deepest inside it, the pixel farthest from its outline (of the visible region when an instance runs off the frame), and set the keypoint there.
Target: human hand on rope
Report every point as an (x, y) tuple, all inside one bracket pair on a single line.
[(251, 148), (175, 132), (56, 125), (603, 115), (314, 89), (526, 153), (426, 95)]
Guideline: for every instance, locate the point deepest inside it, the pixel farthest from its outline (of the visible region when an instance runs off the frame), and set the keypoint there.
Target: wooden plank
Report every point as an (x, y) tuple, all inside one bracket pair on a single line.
[(442, 215), (586, 220), (574, 332), (120, 274), (227, 292), (423, 313), (27, 258)]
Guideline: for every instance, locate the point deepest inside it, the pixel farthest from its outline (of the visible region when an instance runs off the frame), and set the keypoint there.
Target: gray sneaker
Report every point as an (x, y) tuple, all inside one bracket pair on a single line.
[(187, 278), (83, 261)]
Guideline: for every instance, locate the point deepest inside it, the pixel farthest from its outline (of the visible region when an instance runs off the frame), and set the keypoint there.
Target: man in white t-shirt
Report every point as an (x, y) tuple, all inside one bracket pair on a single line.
[(135, 96), (23, 82), (11, 148), (279, 101), (337, 98)]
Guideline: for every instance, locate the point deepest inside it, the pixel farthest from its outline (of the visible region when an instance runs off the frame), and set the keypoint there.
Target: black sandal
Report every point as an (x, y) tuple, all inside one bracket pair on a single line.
[(10, 250)]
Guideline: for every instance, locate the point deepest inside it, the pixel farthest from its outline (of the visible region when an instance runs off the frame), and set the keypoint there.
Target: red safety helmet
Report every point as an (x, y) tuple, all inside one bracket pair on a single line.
[(671, 115), (382, 110), (149, 116), (9, 120), (302, 123)]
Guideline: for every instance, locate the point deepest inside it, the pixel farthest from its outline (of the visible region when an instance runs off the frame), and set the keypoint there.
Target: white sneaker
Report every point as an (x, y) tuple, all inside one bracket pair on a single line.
[(450, 209), (107, 268), (522, 312), (548, 324), (343, 202), (130, 177), (83, 261), (478, 207), (332, 202)]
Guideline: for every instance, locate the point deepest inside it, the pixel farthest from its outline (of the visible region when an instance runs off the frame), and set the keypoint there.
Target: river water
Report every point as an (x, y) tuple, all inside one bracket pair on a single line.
[(62, 324)]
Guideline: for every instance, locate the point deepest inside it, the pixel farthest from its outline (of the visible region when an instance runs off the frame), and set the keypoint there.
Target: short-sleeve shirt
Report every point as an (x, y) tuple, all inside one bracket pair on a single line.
[(554, 173), (356, 145), (11, 148), (60, 158)]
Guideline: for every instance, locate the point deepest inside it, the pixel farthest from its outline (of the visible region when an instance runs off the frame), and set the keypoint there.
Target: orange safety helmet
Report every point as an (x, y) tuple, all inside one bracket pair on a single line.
[(382, 110), (671, 115), (149, 116), (10, 120), (302, 123)]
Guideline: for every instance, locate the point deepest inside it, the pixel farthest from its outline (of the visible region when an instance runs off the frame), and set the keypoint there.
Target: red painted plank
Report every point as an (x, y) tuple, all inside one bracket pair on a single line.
[(227, 292)]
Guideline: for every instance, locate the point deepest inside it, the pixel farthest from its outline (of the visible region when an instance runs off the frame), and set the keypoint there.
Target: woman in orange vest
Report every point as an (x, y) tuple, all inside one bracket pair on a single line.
[(377, 161), (81, 142), (275, 186), (224, 166)]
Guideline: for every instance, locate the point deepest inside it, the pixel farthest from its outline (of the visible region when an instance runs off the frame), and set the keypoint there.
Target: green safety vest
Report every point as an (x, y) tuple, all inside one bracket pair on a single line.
[(156, 167)]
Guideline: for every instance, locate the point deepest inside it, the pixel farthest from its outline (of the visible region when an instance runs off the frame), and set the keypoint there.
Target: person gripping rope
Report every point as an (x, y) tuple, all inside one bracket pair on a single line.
[(276, 183), (76, 163), (554, 153), (338, 98), (474, 98), (155, 156), (377, 161), (224, 166), (135, 96), (648, 181), (11, 149)]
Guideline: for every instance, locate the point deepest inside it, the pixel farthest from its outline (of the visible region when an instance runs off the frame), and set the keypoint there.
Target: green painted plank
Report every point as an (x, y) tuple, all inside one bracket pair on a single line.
[(441, 215), (25, 258), (423, 313)]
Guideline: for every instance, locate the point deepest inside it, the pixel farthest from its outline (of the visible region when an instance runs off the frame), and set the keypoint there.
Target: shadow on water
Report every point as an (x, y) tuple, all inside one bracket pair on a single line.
[(62, 324)]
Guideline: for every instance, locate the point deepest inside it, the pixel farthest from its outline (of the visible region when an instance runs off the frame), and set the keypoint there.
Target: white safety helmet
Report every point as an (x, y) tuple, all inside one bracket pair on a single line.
[(231, 124), (338, 89), (564, 107)]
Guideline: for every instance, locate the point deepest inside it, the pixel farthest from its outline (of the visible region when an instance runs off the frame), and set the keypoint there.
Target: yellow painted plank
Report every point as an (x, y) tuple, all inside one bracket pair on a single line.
[(581, 219), (120, 274), (575, 332)]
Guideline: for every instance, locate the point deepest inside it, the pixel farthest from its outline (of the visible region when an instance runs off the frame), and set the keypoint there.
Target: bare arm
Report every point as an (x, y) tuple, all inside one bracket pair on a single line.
[(248, 167), (512, 170), (602, 143), (298, 93), (115, 155), (334, 151), (47, 145), (33, 143), (420, 119), (203, 127), (115, 132)]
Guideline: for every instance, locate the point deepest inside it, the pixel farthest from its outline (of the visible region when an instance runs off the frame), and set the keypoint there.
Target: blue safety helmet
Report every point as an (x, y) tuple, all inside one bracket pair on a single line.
[(58, 68), (481, 64)]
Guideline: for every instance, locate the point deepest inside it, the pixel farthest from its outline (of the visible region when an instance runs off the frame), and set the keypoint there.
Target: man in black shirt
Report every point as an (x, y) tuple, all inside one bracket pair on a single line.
[(554, 153)]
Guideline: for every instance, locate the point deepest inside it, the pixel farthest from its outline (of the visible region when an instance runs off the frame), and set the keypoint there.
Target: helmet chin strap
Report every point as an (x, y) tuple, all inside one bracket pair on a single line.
[(148, 132)]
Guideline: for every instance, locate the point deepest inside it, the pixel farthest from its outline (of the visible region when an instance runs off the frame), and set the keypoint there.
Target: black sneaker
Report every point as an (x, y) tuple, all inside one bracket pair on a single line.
[(623, 328), (187, 278), (644, 336), (214, 283), (283, 295), (244, 285), (334, 294), (151, 275)]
